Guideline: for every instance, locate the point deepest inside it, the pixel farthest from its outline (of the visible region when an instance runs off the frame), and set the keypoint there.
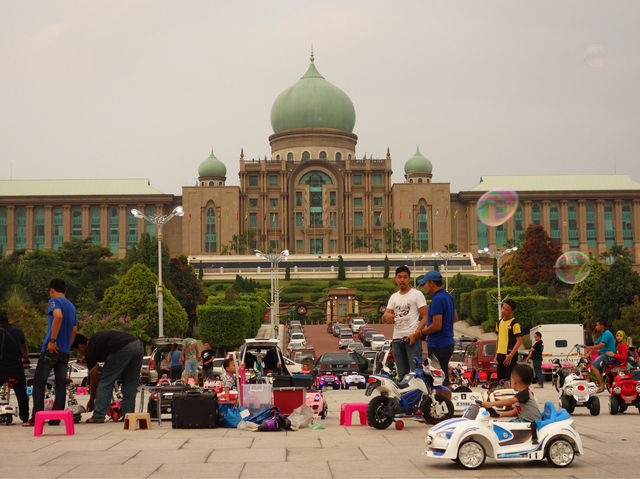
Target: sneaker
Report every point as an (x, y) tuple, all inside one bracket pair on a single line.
[(538, 386), (27, 424)]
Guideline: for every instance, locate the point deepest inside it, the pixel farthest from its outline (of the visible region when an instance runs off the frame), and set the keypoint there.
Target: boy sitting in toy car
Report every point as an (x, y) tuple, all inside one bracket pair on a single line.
[(525, 407)]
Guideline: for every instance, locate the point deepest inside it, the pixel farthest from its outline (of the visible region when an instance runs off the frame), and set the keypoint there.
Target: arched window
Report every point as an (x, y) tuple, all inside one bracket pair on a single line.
[(306, 156), (114, 230), (419, 180), (38, 229), (592, 235), (554, 223), (150, 227), (423, 232), (574, 233), (277, 157), (202, 183), (76, 222), (211, 183), (338, 156), (58, 229), (210, 242), (289, 156), (21, 228), (220, 183), (323, 155), (349, 157), (411, 180), (3, 231), (132, 229), (95, 224)]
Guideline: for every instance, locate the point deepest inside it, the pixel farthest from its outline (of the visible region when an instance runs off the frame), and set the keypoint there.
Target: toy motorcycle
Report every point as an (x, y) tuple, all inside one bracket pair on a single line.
[(73, 406), (7, 412), (417, 393), (479, 434), (574, 389)]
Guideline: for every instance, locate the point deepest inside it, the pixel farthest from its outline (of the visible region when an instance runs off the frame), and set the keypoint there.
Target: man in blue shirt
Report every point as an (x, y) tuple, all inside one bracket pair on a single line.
[(605, 343), (61, 331), (440, 318)]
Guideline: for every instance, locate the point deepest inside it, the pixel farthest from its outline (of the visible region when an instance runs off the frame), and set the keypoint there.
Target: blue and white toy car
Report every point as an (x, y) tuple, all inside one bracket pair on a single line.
[(470, 439), (353, 379)]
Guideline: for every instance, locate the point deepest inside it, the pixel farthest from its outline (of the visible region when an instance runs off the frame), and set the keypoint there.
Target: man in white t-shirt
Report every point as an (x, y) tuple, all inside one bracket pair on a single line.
[(407, 311)]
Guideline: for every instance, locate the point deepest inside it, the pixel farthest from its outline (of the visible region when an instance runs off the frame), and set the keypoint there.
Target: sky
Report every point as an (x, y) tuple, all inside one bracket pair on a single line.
[(146, 88)]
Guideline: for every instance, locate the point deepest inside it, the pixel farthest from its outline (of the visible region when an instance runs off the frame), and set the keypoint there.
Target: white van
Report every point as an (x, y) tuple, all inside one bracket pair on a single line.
[(559, 342)]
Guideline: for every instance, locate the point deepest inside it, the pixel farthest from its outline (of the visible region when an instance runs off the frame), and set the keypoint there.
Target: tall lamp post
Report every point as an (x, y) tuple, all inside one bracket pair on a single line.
[(446, 257), (159, 221), (274, 259), (413, 259), (498, 256)]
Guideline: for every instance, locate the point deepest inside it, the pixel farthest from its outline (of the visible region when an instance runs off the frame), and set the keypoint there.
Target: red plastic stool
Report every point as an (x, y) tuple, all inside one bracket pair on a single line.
[(81, 390), (347, 410), (42, 416)]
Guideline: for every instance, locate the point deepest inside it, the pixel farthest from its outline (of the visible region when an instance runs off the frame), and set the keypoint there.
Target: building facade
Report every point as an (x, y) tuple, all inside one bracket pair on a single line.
[(314, 195)]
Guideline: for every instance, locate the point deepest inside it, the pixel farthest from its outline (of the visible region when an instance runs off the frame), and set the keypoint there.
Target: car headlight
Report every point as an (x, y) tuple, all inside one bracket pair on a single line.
[(445, 434), (592, 389), (638, 388), (428, 440), (617, 390), (569, 390)]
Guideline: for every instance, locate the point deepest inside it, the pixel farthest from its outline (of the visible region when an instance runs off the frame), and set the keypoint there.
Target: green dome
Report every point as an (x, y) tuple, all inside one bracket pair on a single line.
[(418, 163), (313, 102), (212, 167)]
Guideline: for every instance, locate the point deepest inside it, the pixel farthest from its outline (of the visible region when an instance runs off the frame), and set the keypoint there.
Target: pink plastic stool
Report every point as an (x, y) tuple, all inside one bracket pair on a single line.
[(81, 390), (347, 410), (42, 416)]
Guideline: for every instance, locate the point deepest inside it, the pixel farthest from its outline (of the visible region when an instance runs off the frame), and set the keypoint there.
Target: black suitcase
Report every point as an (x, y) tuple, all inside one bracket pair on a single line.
[(194, 410)]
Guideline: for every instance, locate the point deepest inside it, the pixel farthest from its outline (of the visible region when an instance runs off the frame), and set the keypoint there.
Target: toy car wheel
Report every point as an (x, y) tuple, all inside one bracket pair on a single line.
[(6, 419), (325, 410), (438, 410), (567, 403), (613, 405), (471, 455), (560, 453), (336, 386), (622, 407), (594, 406), (377, 415)]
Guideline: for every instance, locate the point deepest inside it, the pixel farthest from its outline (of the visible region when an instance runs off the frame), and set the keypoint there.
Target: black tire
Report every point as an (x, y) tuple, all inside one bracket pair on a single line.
[(560, 452), (622, 407), (361, 386), (336, 386), (463, 458), (594, 406), (325, 411), (567, 403), (613, 405), (433, 417), (152, 409), (377, 415)]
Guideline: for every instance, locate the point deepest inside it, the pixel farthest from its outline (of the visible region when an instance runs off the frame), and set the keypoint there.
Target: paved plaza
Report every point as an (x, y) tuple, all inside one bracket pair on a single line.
[(109, 451)]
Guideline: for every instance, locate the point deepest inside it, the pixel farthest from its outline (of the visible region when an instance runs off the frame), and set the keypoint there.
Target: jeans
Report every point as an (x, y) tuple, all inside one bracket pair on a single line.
[(191, 367), (404, 354), (601, 362), (537, 368), (124, 364), (443, 355), (46, 362), (175, 373), (19, 387), (504, 372)]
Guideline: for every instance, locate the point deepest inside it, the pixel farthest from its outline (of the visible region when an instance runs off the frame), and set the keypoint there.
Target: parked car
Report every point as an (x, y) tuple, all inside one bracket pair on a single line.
[(355, 324), (479, 357), (361, 361), (297, 338), (377, 341), (355, 347), (78, 373), (295, 323), (300, 354), (370, 356), (331, 325), (346, 337), (270, 352), (364, 329), (461, 343), (338, 363), (295, 329), (148, 374), (366, 340), (338, 327)]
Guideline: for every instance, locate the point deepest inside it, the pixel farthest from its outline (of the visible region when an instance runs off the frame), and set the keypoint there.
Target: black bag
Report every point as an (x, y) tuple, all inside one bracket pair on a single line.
[(194, 410), (280, 381)]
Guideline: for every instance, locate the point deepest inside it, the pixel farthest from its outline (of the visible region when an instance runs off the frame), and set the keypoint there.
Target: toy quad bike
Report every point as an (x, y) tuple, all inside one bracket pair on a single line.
[(624, 391), (7, 412), (574, 389)]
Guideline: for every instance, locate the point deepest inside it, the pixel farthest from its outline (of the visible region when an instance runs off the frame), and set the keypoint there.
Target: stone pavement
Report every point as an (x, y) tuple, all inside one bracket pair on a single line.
[(109, 451)]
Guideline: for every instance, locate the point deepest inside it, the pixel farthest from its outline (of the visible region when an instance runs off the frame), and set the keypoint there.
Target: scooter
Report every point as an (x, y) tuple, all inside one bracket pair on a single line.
[(7, 412), (419, 392), (574, 389)]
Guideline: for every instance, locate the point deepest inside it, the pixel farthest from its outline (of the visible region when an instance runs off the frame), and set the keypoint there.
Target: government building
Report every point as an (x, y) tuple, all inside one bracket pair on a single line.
[(315, 195)]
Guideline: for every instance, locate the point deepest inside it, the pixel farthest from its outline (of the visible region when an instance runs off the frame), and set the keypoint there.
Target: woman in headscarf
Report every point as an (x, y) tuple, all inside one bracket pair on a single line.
[(620, 356)]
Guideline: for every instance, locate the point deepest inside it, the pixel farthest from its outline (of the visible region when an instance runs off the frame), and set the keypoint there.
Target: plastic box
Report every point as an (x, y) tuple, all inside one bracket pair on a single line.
[(257, 397), (302, 380), (288, 399)]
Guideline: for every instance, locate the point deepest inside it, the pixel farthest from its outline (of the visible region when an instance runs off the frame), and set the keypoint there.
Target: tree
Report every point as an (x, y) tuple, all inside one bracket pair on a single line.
[(582, 294), (182, 282), (533, 262), (146, 253), (359, 242), (287, 273), (615, 288), (495, 266), (135, 295), (40, 267), (450, 248), (386, 267), (407, 240), (392, 237), (436, 266), (342, 274)]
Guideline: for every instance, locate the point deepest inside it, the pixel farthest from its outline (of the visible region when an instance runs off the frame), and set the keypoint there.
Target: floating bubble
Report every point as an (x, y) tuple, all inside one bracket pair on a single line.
[(497, 206), (572, 267), (595, 56)]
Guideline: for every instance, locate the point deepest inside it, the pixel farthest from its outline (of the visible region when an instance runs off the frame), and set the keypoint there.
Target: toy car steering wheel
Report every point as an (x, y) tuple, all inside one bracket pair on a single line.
[(492, 412)]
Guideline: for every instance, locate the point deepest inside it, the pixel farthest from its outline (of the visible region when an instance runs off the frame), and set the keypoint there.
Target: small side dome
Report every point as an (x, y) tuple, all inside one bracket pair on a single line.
[(212, 166), (418, 163)]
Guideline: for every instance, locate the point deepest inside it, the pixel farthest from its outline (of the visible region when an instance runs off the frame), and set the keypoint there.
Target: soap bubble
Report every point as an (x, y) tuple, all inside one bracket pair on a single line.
[(595, 56), (572, 267), (497, 206)]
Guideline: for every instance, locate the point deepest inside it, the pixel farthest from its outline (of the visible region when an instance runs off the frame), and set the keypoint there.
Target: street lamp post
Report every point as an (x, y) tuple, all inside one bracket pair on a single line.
[(446, 257), (413, 259), (159, 221), (274, 259), (498, 256)]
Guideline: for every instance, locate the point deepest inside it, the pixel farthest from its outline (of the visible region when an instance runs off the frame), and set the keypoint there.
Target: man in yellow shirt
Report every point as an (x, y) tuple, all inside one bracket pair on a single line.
[(509, 340)]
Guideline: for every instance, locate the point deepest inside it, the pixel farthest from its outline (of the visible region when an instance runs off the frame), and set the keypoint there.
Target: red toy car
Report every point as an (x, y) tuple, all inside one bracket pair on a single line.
[(327, 379), (624, 391)]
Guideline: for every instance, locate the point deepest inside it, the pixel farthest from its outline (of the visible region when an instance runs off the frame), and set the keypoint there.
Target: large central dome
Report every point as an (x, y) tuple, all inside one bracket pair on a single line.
[(313, 102)]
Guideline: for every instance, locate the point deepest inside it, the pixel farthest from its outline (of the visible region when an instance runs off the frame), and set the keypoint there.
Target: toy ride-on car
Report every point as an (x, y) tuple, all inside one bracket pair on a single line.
[(574, 389), (327, 379), (317, 402), (478, 435), (353, 379), (624, 391)]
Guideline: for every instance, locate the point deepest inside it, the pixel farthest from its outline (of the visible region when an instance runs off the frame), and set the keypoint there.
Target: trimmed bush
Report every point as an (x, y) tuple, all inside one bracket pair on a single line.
[(223, 326), (479, 312), (465, 306), (559, 316)]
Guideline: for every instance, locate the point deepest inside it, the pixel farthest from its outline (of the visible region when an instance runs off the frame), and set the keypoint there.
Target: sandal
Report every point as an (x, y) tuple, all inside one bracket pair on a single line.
[(93, 421), (27, 424)]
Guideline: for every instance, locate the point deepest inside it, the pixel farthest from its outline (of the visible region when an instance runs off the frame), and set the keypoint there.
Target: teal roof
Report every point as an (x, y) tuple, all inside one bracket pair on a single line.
[(212, 166), (418, 163), (557, 183), (313, 102), (92, 187)]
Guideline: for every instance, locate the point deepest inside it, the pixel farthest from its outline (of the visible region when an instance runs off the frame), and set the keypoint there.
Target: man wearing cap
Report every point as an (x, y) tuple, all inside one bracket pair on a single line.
[(440, 318)]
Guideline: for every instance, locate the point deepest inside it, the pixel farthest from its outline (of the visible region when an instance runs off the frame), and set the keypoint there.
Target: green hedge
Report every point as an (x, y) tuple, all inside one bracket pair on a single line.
[(465, 306), (559, 316), (479, 312), (223, 326)]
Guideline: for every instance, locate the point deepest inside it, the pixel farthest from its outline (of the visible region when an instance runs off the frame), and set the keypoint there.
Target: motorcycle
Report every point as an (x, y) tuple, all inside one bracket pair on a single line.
[(419, 392), (574, 389)]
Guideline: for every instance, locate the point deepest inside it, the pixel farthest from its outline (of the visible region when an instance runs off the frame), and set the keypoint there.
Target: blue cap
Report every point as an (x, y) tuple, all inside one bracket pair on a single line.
[(432, 275)]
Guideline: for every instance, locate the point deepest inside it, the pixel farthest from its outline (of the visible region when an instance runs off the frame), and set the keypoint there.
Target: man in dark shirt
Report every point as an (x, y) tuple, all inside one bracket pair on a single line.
[(207, 356), (13, 354), (121, 354), (535, 356)]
